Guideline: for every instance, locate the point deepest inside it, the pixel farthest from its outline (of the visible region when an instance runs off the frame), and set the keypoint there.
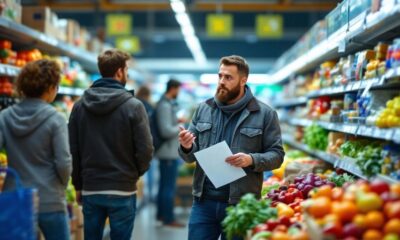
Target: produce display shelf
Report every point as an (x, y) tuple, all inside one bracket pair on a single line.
[(318, 154), (8, 70), (391, 134), (23, 35), (70, 91), (291, 102), (347, 164), (12, 71), (358, 35)]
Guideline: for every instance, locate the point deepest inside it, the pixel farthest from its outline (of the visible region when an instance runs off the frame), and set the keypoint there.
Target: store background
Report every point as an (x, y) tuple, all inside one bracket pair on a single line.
[(308, 59)]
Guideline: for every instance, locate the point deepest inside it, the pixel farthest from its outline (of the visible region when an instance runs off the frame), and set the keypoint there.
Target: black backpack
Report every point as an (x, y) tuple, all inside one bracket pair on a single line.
[(158, 140)]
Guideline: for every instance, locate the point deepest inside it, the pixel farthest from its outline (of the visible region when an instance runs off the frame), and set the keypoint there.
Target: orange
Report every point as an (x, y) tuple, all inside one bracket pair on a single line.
[(337, 194), (349, 196), (324, 191), (301, 235), (331, 218), (374, 219), (372, 234), (319, 207), (360, 221), (395, 189), (392, 226), (345, 210), (280, 236)]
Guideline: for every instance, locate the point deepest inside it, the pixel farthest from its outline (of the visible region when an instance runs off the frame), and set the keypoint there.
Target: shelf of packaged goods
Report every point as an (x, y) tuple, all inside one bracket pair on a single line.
[(9, 70), (348, 41), (358, 85), (291, 102), (25, 36), (70, 91), (345, 163), (390, 134)]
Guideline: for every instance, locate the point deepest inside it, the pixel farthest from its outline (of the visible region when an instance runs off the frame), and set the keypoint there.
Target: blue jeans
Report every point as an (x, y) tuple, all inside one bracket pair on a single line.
[(54, 225), (205, 222), (119, 209), (150, 180), (166, 191)]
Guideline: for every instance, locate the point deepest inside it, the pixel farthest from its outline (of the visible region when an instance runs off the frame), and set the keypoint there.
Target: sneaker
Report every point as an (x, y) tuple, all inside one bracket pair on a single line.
[(174, 225)]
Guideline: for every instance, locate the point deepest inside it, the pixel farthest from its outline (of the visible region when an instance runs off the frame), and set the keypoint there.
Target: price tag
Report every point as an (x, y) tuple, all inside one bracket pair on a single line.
[(396, 136), (366, 131), (389, 133), (356, 85), (349, 87), (367, 88), (390, 73), (342, 46), (349, 129)]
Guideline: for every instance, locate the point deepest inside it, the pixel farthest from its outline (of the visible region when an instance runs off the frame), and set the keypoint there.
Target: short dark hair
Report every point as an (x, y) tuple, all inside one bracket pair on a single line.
[(143, 92), (110, 61), (173, 83), (37, 77), (238, 61)]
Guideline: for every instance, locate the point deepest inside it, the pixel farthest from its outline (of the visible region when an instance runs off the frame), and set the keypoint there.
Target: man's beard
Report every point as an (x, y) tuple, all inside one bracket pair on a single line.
[(227, 95)]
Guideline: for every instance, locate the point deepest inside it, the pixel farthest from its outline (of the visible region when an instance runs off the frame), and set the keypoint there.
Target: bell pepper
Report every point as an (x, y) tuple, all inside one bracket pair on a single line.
[(284, 210)]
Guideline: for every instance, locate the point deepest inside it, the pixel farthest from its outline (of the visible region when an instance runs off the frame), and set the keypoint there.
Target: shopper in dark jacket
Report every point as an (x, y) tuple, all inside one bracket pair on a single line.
[(111, 148), (35, 137), (250, 128)]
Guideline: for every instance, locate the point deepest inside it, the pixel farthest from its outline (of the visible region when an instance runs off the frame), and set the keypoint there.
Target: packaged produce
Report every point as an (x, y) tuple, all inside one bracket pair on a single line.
[(363, 58)]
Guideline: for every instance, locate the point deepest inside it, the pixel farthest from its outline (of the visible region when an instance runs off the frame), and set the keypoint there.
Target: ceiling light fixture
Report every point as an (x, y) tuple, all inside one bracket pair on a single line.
[(188, 31)]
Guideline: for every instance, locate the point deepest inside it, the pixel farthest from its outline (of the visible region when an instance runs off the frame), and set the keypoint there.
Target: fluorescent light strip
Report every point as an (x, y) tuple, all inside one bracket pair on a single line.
[(188, 31), (178, 6)]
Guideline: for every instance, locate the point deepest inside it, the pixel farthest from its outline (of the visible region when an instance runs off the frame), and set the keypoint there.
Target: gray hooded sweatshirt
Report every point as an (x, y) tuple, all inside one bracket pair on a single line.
[(35, 137)]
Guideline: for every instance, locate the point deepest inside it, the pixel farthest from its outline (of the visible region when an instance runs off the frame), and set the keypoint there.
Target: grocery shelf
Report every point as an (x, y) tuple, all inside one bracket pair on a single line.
[(291, 102), (391, 134), (25, 36), (70, 91), (9, 70), (345, 163), (357, 85), (360, 33), (315, 153)]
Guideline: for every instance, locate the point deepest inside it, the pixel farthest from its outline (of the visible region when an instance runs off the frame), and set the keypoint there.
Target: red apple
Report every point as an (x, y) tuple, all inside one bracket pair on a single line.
[(379, 187)]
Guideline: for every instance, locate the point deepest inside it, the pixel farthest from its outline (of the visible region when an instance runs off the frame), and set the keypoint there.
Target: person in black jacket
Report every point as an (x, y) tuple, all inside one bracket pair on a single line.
[(111, 147)]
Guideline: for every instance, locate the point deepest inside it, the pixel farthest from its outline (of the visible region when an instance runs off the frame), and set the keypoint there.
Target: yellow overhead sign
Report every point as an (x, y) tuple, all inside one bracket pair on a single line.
[(269, 26), (219, 25), (128, 44), (118, 24)]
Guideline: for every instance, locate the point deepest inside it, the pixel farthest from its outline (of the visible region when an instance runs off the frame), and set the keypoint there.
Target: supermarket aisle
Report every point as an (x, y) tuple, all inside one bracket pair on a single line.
[(146, 227)]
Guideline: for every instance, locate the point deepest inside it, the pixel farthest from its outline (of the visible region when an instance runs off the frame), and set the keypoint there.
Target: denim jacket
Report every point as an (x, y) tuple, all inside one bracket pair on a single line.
[(257, 133)]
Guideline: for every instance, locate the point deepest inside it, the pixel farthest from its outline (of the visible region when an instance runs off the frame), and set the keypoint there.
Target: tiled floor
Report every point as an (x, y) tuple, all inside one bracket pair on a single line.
[(146, 227)]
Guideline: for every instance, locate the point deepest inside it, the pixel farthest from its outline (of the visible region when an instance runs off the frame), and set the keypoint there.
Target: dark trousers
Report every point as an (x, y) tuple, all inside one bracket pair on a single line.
[(205, 220), (167, 188)]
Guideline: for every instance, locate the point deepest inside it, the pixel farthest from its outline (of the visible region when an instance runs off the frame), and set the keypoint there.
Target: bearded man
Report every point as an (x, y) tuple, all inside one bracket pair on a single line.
[(251, 130)]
